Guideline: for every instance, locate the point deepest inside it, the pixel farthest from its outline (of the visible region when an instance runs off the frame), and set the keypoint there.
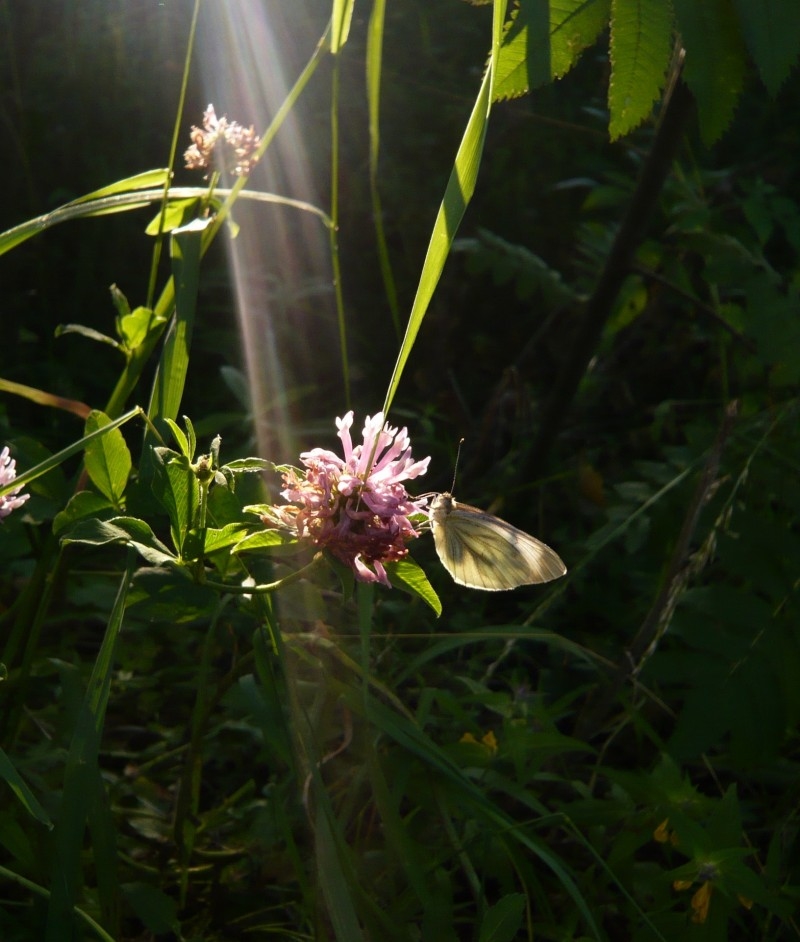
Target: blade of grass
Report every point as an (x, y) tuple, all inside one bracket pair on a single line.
[(20, 788), (374, 63), (458, 193), (396, 723), (54, 460), (335, 876), (80, 773), (410, 737), (333, 236), (124, 190), (398, 838), (99, 931), (173, 150), (105, 854), (340, 19), (123, 196)]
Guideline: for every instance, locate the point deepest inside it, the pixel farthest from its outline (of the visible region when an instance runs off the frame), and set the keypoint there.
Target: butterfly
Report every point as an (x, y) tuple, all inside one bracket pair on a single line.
[(482, 551)]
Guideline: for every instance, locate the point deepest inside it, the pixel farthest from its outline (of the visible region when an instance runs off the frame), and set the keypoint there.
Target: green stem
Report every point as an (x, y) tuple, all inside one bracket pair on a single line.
[(187, 805), (133, 369), (268, 587), (332, 232), (176, 132)]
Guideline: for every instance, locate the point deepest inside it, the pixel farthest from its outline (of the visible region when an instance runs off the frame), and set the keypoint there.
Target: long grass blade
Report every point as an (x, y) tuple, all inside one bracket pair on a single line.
[(54, 460), (19, 786), (374, 63), (81, 775), (458, 193)]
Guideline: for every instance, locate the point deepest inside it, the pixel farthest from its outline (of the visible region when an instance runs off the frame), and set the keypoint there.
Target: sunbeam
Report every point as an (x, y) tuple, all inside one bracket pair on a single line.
[(250, 54)]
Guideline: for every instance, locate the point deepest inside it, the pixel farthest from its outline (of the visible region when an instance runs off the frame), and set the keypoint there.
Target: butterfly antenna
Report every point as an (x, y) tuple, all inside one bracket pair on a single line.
[(455, 468)]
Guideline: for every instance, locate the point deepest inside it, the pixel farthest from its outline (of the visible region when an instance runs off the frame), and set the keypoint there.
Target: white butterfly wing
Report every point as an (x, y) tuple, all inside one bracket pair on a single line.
[(482, 551)]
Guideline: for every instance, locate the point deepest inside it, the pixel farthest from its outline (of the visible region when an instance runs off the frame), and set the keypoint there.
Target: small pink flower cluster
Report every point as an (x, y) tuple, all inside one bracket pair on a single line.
[(356, 507), (8, 473), (230, 144)]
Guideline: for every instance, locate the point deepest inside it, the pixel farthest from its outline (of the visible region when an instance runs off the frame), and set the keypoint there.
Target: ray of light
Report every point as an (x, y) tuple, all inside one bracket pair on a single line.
[(250, 51)]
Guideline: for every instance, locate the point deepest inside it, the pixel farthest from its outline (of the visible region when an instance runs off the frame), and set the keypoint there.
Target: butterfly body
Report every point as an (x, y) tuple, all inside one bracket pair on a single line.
[(482, 551)]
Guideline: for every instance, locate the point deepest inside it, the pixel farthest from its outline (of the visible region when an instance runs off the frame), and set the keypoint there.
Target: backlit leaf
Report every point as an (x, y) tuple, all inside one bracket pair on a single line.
[(715, 61), (543, 41), (771, 29), (411, 577), (641, 47), (108, 460)]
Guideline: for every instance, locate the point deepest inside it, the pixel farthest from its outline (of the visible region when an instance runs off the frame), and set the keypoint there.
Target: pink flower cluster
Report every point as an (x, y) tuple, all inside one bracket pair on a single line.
[(228, 144), (8, 473), (356, 507)]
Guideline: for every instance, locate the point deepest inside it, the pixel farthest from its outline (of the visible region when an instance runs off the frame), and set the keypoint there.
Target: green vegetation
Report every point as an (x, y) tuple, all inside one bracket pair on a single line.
[(231, 706)]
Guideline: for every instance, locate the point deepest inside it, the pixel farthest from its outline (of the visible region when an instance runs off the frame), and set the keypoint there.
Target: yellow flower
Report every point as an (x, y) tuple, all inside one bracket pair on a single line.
[(663, 835), (488, 741), (701, 899), (700, 903)]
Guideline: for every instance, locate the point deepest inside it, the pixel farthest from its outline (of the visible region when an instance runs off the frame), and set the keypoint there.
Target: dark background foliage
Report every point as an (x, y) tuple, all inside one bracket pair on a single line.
[(660, 508)]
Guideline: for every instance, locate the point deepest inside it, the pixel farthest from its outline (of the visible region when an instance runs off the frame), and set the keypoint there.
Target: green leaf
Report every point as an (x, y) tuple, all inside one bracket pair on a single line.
[(181, 440), (503, 921), (335, 870), (127, 530), (738, 688), (543, 40), (177, 214), (148, 180), (771, 29), (268, 540), (340, 23), (375, 34), (407, 575), (88, 332), (166, 595), (134, 327), (175, 486), (771, 319), (119, 301), (81, 505), (191, 436), (641, 49), (17, 784), (78, 208), (715, 61), (244, 465), (170, 377), (458, 193), (157, 911), (406, 733), (47, 464), (108, 459), (510, 261), (214, 540), (630, 302)]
